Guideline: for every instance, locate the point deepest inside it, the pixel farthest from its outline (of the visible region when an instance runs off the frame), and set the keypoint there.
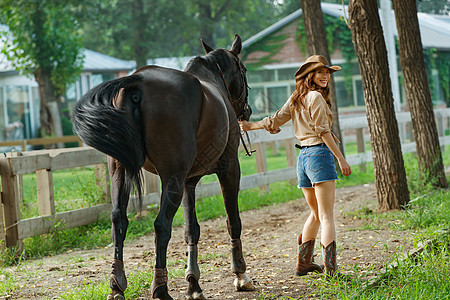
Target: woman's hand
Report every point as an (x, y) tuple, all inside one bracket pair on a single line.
[(245, 126), (345, 167)]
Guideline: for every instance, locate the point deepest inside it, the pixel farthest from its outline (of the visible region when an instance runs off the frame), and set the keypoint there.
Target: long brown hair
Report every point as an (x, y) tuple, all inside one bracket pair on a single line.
[(304, 86)]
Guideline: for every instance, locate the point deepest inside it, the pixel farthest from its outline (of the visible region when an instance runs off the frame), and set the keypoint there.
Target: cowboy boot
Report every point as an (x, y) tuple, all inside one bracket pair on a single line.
[(305, 259), (329, 258)]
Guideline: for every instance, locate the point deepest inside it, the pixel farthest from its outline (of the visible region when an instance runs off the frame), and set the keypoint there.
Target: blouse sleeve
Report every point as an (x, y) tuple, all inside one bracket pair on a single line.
[(272, 124), (319, 115)]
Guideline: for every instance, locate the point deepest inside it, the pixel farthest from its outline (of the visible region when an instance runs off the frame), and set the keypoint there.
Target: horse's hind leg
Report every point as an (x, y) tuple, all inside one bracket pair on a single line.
[(229, 176), (120, 193), (172, 192), (191, 236)]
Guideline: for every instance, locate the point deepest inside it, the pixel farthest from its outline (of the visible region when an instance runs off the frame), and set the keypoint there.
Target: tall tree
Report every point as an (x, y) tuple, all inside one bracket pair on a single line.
[(390, 176), (418, 92), (43, 41), (317, 43), (139, 30), (161, 28)]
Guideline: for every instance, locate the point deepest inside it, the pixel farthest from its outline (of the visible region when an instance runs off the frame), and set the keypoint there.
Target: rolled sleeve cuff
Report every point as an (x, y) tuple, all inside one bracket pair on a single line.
[(321, 130), (268, 124)]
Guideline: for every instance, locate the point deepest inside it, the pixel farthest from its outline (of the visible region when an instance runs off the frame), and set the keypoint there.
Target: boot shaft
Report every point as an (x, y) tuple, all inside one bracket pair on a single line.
[(329, 258), (305, 258)]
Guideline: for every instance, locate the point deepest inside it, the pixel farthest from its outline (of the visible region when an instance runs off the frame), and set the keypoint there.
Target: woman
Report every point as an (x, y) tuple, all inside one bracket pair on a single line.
[(309, 109)]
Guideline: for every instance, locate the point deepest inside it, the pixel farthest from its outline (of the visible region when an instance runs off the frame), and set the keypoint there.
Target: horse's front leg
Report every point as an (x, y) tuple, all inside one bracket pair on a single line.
[(172, 192), (120, 192), (191, 236), (229, 176)]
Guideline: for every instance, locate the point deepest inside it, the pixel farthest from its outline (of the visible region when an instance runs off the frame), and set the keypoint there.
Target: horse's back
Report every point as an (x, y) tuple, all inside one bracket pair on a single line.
[(170, 111), (186, 122)]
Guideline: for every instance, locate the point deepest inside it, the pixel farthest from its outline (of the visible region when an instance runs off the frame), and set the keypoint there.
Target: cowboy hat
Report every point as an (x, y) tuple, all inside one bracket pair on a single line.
[(314, 62)]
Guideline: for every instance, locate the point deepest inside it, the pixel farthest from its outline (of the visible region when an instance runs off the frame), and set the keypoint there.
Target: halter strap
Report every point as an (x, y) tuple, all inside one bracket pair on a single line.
[(248, 150)]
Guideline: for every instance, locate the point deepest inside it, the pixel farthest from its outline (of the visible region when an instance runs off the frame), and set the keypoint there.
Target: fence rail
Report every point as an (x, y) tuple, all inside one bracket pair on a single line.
[(13, 229), (42, 142)]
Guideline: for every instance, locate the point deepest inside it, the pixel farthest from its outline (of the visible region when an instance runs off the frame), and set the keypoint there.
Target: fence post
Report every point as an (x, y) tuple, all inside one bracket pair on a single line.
[(343, 140), (2, 228), (261, 164), (11, 206), (410, 132), (440, 127), (361, 146), (291, 156), (274, 146), (402, 131), (19, 178), (151, 183), (102, 180), (46, 199)]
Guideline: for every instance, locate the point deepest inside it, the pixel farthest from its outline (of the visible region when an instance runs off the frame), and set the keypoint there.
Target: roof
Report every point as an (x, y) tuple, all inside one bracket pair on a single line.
[(433, 28), (178, 63), (95, 61)]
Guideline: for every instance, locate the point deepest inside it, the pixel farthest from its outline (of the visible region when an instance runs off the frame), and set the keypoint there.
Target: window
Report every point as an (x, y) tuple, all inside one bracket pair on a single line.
[(276, 97), (286, 74), (344, 99), (358, 88), (261, 76), (257, 100), (2, 114), (16, 107)]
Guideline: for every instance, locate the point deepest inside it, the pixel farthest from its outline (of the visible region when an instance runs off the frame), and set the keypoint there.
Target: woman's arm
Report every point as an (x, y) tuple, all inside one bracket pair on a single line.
[(329, 141), (247, 126)]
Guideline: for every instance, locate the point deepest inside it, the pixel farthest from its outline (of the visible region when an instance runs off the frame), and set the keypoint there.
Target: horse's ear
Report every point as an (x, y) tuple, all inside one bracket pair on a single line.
[(237, 45), (206, 47)]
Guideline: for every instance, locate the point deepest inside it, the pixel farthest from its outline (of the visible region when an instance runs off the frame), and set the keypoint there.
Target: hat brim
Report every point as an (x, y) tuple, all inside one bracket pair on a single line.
[(311, 66)]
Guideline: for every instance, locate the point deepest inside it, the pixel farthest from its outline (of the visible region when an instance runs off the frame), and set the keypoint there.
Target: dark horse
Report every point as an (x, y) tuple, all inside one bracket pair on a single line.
[(180, 126)]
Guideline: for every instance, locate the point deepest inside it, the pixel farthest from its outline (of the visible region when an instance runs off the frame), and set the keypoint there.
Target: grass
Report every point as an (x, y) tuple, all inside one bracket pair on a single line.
[(428, 213), (424, 277)]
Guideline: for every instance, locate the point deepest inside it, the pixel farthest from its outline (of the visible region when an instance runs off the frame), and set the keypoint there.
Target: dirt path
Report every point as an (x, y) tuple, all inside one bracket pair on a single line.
[(269, 242)]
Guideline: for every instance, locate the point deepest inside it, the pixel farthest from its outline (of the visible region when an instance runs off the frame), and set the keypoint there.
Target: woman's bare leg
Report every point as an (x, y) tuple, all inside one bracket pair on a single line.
[(325, 195), (312, 224)]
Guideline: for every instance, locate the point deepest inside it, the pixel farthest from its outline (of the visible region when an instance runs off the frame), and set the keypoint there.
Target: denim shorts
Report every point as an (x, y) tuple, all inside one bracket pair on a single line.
[(315, 164)]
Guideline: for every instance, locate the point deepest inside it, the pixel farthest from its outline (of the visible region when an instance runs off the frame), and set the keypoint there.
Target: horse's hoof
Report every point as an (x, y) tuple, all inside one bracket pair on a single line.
[(115, 297), (161, 293), (196, 296), (243, 283)]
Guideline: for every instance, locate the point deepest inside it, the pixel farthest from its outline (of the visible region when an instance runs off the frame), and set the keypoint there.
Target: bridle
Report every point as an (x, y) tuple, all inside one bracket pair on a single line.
[(248, 150)]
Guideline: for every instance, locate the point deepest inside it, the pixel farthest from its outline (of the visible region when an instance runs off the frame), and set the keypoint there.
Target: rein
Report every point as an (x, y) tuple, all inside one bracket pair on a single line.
[(248, 150)]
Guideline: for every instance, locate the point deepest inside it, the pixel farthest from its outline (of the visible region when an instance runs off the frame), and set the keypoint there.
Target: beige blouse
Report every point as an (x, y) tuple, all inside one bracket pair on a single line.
[(309, 123)]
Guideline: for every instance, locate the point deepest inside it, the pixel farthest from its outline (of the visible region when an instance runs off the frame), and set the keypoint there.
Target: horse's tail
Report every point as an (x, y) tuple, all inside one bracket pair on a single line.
[(114, 131)]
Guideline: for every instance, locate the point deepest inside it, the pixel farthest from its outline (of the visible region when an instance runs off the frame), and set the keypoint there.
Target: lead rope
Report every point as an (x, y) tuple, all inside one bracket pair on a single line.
[(247, 151)]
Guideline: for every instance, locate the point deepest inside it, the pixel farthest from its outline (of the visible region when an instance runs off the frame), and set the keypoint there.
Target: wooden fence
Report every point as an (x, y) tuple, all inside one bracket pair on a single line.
[(42, 142), (13, 166)]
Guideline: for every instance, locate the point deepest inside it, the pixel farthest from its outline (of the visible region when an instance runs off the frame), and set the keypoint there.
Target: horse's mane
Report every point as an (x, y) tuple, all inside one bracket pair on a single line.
[(209, 61)]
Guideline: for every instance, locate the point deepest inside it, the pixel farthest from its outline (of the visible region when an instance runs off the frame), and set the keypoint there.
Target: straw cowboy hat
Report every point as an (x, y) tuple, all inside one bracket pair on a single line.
[(312, 63)]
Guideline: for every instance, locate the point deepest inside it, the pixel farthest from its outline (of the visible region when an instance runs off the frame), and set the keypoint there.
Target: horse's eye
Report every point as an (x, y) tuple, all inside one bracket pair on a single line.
[(135, 98)]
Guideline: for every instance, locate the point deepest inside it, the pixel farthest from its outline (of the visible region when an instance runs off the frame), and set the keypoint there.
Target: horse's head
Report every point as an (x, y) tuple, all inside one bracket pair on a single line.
[(234, 76)]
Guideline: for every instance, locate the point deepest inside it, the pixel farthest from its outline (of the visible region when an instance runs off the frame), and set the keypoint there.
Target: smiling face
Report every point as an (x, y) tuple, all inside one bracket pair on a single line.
[(321, 77)]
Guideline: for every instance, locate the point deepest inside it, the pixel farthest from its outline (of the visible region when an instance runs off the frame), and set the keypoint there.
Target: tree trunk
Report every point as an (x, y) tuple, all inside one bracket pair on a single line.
[(49, 108), (368, 40), (418, 92), (207, 24), (317, 44), (46, 95), (140, 53)]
